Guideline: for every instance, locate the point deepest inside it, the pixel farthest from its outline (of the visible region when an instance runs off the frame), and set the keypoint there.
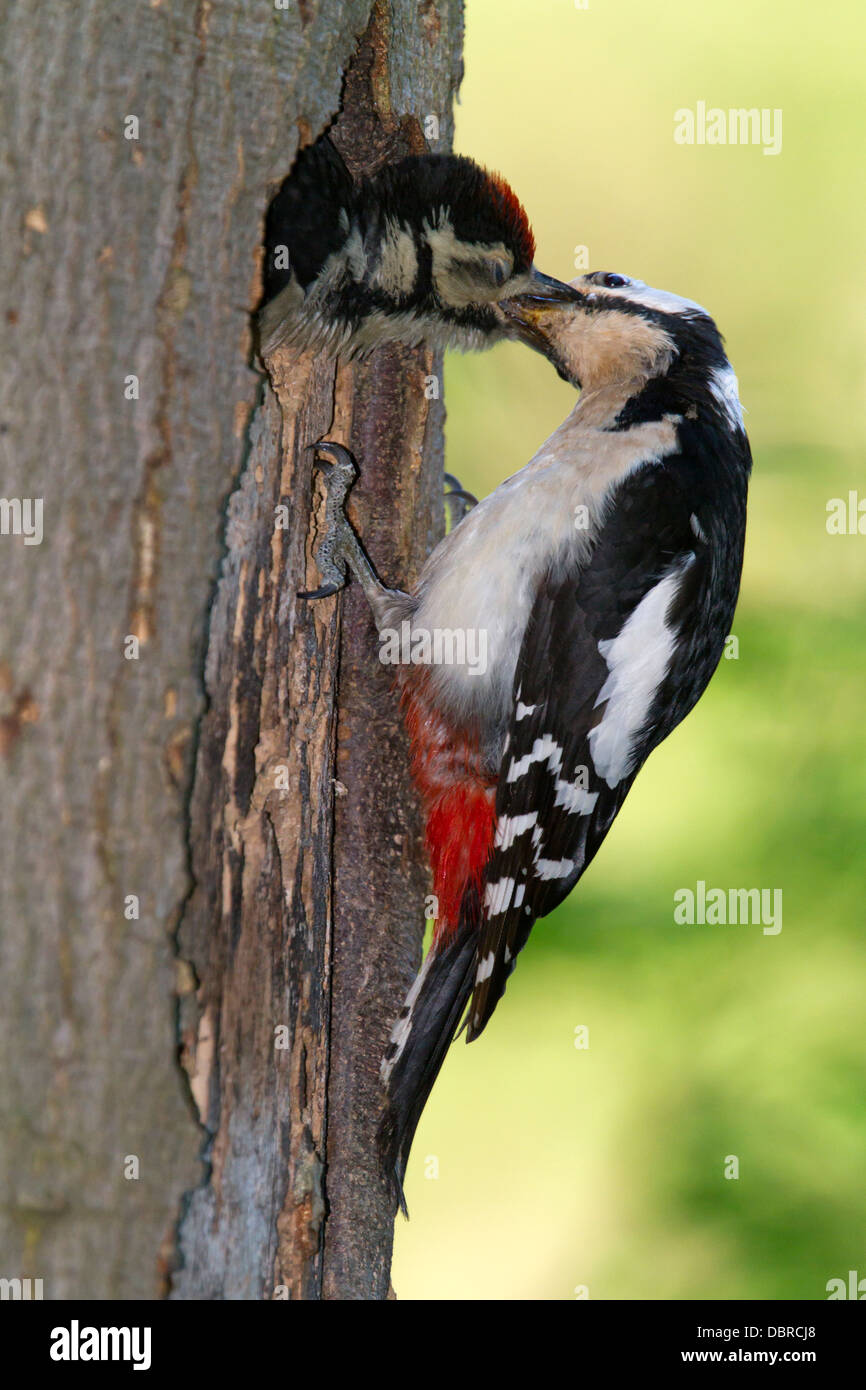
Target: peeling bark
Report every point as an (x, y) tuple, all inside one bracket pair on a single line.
[(320, 854)]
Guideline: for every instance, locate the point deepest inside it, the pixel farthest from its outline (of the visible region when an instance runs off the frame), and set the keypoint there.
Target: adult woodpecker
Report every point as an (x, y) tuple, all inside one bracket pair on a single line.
[(422, 251), (605, 575)]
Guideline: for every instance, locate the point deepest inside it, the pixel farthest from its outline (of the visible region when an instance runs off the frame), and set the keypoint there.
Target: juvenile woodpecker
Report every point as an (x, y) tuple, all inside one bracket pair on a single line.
[(423, 251), (604, 577)]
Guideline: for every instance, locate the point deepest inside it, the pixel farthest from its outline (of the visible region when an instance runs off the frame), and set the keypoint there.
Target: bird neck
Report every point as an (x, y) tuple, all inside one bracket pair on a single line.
[(600, 406)]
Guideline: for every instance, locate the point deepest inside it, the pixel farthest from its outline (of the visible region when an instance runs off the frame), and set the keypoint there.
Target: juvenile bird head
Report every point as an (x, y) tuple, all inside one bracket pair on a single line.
[(423, 251), (456, 238), (645, 351)]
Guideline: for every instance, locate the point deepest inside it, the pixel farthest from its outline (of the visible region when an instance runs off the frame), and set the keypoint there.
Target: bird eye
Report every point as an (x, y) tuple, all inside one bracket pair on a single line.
[(614, 282), (498, 270)]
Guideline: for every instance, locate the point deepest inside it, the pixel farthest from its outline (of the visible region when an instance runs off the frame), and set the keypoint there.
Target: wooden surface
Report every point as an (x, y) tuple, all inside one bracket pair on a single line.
[(258, 906)]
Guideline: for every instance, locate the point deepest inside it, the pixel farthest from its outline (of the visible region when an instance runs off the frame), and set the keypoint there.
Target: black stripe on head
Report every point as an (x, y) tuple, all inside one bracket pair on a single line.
[(684, 389)]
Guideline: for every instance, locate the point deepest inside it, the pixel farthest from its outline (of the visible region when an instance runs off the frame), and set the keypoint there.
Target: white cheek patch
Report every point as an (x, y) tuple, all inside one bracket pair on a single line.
[(458, 266), (725, 387), (638, 660), (397, 270)]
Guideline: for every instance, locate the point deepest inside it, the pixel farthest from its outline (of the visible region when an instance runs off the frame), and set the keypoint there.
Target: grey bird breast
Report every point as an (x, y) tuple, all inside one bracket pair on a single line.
[(539, 521)]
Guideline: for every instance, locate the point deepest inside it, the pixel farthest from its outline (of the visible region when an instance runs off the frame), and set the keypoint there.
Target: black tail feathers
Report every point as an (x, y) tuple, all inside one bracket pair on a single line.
[(419, 1042)]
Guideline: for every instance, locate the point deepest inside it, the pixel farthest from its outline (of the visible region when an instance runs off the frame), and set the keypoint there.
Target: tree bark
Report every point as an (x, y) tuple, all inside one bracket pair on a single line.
[(208, 843)]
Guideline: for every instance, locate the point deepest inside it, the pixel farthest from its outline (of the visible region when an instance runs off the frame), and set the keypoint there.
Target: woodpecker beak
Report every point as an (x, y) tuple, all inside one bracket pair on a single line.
[(528, 312), (543, 289), (535, 317), (536, 293)]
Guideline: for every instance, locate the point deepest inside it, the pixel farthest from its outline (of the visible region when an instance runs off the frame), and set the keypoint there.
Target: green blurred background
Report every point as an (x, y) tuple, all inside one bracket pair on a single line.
[(604, 1167)]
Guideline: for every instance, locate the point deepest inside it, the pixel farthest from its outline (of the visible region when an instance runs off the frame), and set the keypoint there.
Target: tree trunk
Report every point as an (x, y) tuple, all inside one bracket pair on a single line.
[(209, 845)]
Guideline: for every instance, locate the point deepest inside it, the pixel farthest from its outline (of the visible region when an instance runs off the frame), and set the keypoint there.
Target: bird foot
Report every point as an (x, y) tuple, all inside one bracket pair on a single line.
[(337, 466), (457, 501)]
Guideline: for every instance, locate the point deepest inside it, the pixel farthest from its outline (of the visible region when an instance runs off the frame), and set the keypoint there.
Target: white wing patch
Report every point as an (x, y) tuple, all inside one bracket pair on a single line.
[(545, 748), (726, 389), (553, 868), (485, 968), (509, 827), (575, 797), (497, 896), (637, 659)]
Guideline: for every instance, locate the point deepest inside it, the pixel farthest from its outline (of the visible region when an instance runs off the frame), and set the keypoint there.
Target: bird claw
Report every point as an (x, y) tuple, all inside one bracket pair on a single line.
[(339, 471), (338, 467), (457, 500), (325, 591)]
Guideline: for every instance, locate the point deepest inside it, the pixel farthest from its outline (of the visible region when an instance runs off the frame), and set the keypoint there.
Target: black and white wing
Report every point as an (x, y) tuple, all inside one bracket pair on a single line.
[(613, 657)]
